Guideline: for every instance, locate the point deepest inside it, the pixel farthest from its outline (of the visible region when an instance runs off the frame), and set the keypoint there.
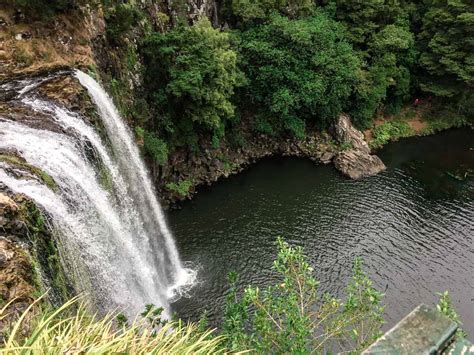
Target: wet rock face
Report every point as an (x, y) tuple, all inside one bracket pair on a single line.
[(355, 159), (17, 282)]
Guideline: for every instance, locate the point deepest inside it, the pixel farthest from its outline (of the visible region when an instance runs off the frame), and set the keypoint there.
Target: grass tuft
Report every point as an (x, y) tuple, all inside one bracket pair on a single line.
[(71, 329)]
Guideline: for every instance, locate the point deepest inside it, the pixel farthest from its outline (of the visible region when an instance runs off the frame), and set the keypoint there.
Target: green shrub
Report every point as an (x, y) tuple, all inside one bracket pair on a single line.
[(155, 147), (120, 19), (291, 317), (181, 188), (388, 131), (263, 125), (237, 139)]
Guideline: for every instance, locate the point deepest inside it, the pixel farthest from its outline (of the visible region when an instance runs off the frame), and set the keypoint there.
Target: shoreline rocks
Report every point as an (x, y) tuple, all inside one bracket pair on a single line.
[(355, 159)]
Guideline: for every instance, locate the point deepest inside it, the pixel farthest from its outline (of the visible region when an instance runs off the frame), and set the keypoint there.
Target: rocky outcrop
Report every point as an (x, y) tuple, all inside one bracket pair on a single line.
[(29, 262), (211, 164), (17, 276), (16, 281), (355, 159)]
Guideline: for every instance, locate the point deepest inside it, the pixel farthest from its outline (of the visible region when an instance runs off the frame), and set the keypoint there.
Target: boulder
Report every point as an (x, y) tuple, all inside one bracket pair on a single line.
[(354, 160)]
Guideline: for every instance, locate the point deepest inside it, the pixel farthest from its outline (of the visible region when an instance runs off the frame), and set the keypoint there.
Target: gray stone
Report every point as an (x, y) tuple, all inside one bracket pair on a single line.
[(326, 157), (355, 159)]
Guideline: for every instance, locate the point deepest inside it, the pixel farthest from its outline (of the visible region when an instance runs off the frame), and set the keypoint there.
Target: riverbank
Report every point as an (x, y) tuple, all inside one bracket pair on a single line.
[(186, 174), (422, 120)]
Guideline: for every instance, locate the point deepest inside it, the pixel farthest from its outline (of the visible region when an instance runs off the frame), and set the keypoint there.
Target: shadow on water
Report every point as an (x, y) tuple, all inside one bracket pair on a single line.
[(412, 225)]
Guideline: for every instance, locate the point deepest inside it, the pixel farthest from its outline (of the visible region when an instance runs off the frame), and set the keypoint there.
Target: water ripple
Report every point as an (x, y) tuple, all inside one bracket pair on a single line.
[(412, 225)]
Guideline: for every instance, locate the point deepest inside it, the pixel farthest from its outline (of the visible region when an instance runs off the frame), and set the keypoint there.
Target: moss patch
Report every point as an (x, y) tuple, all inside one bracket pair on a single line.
[(22, 164), (45, 253)]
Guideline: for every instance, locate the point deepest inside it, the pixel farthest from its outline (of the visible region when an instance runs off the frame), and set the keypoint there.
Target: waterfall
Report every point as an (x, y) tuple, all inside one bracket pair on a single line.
[(112, 230)]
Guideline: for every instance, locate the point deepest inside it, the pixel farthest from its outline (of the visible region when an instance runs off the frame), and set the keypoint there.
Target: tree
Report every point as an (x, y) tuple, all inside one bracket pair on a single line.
[(191, 74), (381, 33), (155, 147), (120, 18), (299, 71), (447, 52), (259, 10)]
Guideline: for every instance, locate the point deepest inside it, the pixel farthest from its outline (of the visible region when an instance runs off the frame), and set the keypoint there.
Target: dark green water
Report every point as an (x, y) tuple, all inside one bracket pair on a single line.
[(413, 225)]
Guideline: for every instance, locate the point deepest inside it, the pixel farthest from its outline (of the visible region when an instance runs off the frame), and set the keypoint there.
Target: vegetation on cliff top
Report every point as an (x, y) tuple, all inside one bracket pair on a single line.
[(280, 67), (304, 63)]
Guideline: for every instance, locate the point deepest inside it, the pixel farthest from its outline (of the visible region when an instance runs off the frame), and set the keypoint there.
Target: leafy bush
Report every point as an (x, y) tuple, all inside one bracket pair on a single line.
[(300, 72), (292, 317), (391, 130), (191, 74), (181, 188), (155, 147)]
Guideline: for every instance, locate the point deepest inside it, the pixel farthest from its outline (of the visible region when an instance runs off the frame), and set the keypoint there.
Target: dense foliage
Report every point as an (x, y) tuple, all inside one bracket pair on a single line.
[(191, 73), (281, 66), (299, 71), (447, 52), (285, 65)]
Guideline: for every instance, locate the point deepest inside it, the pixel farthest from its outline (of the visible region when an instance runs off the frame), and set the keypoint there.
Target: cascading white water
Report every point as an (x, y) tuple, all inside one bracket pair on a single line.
[(113, 231)]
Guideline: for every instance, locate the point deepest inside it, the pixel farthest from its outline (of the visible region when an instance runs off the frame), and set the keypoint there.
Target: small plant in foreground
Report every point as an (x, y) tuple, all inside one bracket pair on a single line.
[(153, 315), (292, 317), (71, 329), (445, 307)]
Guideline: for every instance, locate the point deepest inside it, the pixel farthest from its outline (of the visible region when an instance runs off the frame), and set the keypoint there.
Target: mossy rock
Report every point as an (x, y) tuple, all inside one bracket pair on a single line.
[(20, 163)]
